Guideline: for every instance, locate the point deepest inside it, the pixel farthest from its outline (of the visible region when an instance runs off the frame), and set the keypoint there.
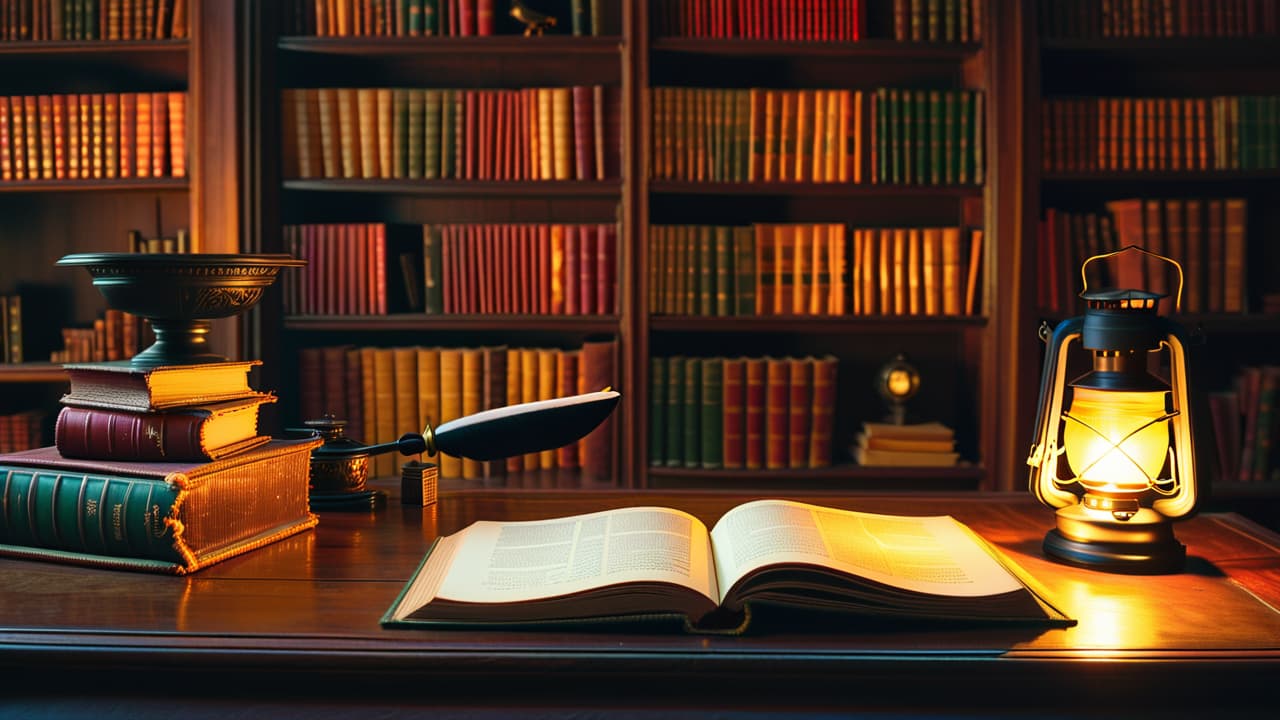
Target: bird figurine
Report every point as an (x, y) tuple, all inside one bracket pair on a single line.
[(535, 23)]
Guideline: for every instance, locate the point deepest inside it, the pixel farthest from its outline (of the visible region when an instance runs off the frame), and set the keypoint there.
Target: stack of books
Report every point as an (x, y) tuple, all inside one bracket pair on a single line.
[(929, 444), (159, 469)]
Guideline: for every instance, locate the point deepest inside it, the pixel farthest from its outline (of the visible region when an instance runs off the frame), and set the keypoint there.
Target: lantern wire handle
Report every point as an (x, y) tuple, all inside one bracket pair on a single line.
[(1177, 298)]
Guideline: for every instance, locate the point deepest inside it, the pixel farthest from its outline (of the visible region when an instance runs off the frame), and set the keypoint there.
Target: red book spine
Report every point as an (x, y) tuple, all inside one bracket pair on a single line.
[(116, 435), (128, 135), (466, 16), (357, 269), (587, 283), (484, 267), (734, 413), (606, 244), (823, 412), (6, 158), (777, 411), (543, 247), (572, 276), (583, 132), (798, 425), (596, 372), (446, 268), (470, 117), (379, 232)]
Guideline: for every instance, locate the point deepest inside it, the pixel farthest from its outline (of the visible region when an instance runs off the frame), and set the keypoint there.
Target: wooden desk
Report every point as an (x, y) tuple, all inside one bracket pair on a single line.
[(294, 626)]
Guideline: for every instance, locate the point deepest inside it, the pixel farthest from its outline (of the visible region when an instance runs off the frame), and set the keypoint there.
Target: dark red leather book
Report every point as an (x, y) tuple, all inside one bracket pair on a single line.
[(310, 383), (333, 378), (469, 120), (587, 268), (207, 432), (799, 419), (823, 411), (754, 414), (777, 409), (596, 372), (542, 269), (734, 413), (606, 257), (583, 133), (354, 409), (572, 276), (446, 269)]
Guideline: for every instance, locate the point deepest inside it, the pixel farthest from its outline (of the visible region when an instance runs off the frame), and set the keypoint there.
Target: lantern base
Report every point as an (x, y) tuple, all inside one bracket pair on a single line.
[(1166, 555)]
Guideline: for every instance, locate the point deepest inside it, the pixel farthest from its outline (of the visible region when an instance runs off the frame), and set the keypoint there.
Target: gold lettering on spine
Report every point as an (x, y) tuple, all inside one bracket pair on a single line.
[(117, 521)]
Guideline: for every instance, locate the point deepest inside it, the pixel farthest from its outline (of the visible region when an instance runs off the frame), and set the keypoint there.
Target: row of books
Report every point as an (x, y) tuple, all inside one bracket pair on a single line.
[(59, 20), (157, 245), (792, 20), (114, 336), (927, 137), (954, 21), (384, 392), (527, 269), (1218, 133), (21, 430), (1245, 425), (754, 413), (1157, 18), (11, 327), (813, 269), (562, 133), (419, 18), (99, 135), (1206, 237)]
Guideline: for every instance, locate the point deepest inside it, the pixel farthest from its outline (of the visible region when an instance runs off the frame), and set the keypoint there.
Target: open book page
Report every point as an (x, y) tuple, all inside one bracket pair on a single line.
[(497, 562), (933, 555)]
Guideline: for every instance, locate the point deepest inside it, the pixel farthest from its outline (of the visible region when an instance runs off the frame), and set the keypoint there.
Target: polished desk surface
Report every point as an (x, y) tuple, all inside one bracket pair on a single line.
[(295, 624)]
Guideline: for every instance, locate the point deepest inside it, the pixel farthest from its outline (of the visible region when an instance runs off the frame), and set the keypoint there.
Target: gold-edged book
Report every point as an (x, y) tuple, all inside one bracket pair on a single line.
[(120, 386), (640, 564)]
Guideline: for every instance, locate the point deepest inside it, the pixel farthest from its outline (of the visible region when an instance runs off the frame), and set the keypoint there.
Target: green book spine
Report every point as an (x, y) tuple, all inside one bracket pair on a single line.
[(712, 422), (921, 101), (675, 411), (433, 133), (400, 133), (935, 137), (418, 115), (411, 11), (724, 270), (433, 270), (948, 141), (964, 140), (934, 20), (444, 146), (894, 140), (91, 20), (658, 393), (595, 18), (908, 139), (716, 121), (430, 17), (977, 143), (692, 412), (725, 117), (744, 252), (578, 13), (706, 270), (738, 124), (91, 513)]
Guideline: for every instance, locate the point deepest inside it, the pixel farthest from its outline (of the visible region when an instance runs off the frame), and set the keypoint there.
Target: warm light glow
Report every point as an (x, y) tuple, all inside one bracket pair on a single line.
[(899, 382), (1116, 441)]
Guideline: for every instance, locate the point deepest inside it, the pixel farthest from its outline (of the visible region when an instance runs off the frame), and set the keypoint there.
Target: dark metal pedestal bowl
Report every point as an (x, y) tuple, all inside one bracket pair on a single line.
[(180, 294)]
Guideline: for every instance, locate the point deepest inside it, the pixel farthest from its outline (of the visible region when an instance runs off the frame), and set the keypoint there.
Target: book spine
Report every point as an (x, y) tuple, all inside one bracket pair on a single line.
[(451, 403), (823, 412), (93, 513), (566, 385), (777, 411), (116, 435), (597, 371), (711, 424), (674, 443), (733, 416), (472, 399), (691, 456), (546, 390), (800, 386), (657, 411)]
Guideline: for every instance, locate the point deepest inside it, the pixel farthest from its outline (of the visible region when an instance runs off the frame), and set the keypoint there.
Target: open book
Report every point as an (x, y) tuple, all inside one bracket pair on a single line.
[(651, 562)]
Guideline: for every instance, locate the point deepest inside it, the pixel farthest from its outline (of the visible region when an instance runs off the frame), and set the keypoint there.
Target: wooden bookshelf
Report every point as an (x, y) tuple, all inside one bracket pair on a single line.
[(527, 48), (835, 325), (116, 185), (877, 49), (809, 189), (461, 188), (448, 323)]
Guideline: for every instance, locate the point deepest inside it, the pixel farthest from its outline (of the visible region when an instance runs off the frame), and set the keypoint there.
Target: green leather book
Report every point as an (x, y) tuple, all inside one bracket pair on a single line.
[(908, 137), (657, 410), (935, 137), (711, 423), (417, 100), (153, 516), (706, 271), (964, 145), (724, 270), (692, 454), (433, 123), (444, 141), (920, 101), (459, 583), (400, 133), (675, 411)]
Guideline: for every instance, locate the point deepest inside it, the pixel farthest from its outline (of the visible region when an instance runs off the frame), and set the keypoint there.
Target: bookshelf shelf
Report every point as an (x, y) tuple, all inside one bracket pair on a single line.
[(878, 50), (414, 321), (845, 477), (96, 185), (1161, 176), (462, 188), (670, 187), (91, 49), (32, 372), (802, 324), (510, 45), (1200, 52)]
